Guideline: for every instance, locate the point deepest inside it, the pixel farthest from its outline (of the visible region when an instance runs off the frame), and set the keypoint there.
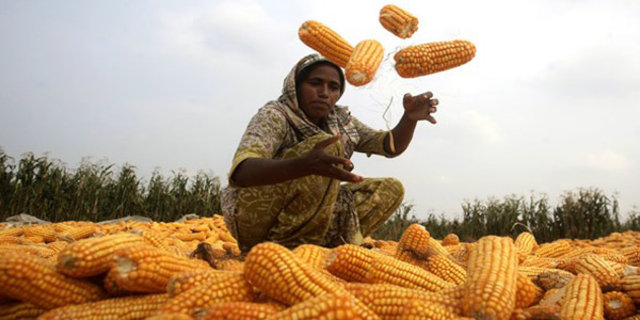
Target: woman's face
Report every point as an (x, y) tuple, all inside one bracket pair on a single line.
[(319, 92)]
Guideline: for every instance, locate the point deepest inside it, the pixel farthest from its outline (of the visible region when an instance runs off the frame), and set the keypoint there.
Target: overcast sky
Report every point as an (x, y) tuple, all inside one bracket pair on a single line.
[(550, 103)]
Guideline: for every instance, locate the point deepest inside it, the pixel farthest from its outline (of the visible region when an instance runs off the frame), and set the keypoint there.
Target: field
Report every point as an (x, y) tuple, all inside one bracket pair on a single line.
[(113, 247)]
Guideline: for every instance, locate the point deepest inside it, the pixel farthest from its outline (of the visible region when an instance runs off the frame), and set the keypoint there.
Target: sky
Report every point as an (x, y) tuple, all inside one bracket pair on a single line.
[(549, 104)]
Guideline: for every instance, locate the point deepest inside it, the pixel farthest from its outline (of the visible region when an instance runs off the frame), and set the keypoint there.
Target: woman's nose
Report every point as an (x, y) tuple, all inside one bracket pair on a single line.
[(323, 91)]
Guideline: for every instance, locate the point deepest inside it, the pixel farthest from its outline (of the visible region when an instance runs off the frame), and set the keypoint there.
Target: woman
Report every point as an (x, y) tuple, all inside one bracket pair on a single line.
[(285, 180)]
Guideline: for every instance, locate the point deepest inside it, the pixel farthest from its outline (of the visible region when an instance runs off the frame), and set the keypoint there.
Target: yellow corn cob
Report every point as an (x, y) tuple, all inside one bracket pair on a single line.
[(229, 265), (57, 246), (14, 232), (31, 279), (123, 308), (20, 311), (436, 248), (350, 262), (93, 256), (326, 41), (47, 232), (600, 269), (388, 301), (326, 306), (146, 268), (398, 21), (525, 244), (37, 249), (537, 312), (553, 249), (315, 256), (277, 272), (533, 272), (551, 279), (428, 58), (535, 261), (169, 316), (617, 305), (229, 288), (527, 292), (80, 232), (413, 243), (446, 269), (364, 62), (451, 239), (14, 240), (632, 253), (461, 255), (239, 311), (184, 281), (583, 299), (384, 269), (416, 309), (553, 297), (490, 291), (631, 286)]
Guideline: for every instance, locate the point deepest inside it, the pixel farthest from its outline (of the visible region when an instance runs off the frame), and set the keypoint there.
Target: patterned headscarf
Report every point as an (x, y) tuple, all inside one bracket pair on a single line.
[(336, 121)]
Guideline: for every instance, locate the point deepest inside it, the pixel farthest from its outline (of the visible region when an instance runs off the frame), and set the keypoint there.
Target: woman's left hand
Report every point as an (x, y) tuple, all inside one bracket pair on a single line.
[(420, 107)]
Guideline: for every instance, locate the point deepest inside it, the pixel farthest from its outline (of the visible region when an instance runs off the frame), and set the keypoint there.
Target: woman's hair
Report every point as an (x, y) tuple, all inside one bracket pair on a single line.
[(304, 73)]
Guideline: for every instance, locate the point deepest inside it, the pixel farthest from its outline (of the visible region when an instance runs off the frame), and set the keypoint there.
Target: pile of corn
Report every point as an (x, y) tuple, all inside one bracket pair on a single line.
[(194, 270), (361, 62)]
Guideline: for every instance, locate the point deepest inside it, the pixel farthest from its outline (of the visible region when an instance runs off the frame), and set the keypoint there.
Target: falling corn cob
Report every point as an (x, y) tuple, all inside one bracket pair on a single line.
[(617, 305), (490, 291), (124, 308), (364, 62), (424, 59), (398, 21), (326, 41), (31, 279), (583, 299)]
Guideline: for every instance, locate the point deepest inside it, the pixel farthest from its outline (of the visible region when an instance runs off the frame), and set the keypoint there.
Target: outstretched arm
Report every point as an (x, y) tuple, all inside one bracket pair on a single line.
[(416, 108), (260, 171)]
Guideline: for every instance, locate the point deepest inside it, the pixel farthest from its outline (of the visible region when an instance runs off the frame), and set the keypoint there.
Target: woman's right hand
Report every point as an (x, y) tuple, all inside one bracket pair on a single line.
[(319, 162)]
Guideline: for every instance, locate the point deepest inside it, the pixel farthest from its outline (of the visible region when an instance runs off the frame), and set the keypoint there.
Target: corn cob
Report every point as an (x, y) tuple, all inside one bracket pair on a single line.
[(388, 301), (148, 269), (535, 261), (527, 292), (364, 62), (533, 272), (632, 253), (325, 306), (525, 244), (413, 243), (13, 232), (600, 269), (315, 256), (537, 312), (428, 58), (450, 239), (31, 279), (229, 288), (239, 311), (93, 256), (123, 308), (277, 272), (446, 269), (583, 299), (553, 297), (384, 269), (417, 309), (184, 281), (36, 249), (398, 21), (169, 316), (326, 41), (80, 232), (617, 305), (553, 249), (551, 279), (20, 311), (47, 232), (350, 262), (631, 286), (436, 248), (490, 291)]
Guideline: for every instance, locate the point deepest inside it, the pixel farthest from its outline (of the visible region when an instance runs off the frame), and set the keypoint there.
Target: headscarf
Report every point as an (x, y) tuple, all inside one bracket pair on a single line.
[(337, 121)]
